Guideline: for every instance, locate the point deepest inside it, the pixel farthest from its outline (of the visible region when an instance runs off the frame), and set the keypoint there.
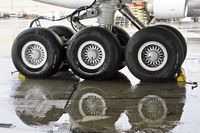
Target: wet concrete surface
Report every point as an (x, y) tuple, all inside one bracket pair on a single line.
[(67, 104)]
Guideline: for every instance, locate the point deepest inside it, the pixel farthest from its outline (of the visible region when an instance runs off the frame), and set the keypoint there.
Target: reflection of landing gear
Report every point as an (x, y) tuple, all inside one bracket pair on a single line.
[(97, 105), (92, 104), (156, 107), (38, 104), (152, 109)]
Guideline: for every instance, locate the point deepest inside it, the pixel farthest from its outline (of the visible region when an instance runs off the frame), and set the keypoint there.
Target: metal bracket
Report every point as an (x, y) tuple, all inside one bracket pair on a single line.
[(91, 13)]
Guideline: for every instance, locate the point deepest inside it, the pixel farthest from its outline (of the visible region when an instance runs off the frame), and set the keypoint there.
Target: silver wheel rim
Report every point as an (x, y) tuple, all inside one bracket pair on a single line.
[(92, 104), (91, 55), (152, 56), (34, 54)]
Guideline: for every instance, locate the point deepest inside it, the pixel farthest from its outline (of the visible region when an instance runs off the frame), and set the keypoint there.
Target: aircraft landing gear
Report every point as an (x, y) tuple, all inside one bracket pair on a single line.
[(152, 54)]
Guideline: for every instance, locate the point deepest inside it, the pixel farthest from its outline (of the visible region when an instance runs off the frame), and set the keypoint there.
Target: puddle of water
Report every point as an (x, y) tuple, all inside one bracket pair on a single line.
[(103, 106)]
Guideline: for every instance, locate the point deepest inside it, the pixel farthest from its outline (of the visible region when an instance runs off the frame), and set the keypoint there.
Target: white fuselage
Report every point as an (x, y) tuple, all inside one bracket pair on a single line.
[(193, 6), (73, 4)]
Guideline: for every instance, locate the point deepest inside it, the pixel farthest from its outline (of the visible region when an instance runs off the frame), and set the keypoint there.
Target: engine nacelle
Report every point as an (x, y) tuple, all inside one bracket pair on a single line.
[(167, 8), (73, 4)]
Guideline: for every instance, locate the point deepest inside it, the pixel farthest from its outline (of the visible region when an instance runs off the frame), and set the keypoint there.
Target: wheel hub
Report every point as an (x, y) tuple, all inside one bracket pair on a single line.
[(34, 54), (152, 56), (91, 55)]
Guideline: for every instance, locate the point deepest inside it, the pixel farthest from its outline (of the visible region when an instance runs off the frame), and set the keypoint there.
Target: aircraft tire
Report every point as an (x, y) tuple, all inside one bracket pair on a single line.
[(180, 37), (37, 53), (94, 53), (123, 38), (65, 34), (153, 54)]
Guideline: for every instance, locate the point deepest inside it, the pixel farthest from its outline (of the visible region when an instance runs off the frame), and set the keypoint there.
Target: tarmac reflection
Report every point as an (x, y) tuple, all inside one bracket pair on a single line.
[(99, 106)]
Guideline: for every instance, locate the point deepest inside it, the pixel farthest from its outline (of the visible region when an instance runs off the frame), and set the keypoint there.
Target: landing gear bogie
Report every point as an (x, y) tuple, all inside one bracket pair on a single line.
[(152, 54)]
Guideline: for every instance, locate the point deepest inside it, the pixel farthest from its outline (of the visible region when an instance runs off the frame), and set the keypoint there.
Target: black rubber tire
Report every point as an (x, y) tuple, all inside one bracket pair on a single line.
[(182, 45), (168, 40), (53, 47), (108, 41), (121, 34), (65, 34), (123, 38), (180, 37)]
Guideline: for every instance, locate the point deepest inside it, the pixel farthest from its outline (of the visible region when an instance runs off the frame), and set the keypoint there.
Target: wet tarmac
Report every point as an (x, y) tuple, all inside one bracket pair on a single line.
[(123, 104)]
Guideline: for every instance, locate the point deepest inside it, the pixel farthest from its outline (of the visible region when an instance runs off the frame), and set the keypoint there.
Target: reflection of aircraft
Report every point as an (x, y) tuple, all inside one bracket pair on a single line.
[(104, 106), (156, 107), (97, 106), (97, 52), (39, 102)]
